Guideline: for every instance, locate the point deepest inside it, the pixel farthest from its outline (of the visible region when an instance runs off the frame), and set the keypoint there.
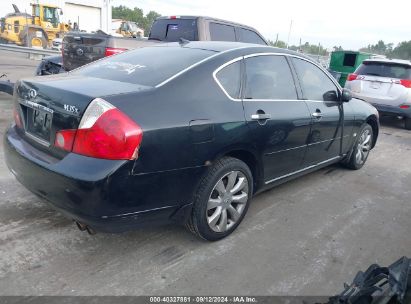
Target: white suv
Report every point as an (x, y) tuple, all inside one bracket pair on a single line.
[(386, 84)]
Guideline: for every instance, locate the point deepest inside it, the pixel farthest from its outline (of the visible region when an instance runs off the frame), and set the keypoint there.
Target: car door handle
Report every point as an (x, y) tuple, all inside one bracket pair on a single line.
[(260, 116), (317, 115)]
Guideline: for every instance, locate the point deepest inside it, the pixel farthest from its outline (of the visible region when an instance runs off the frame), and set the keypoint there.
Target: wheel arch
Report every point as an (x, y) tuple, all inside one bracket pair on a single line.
[(372, 120), (251, 160)]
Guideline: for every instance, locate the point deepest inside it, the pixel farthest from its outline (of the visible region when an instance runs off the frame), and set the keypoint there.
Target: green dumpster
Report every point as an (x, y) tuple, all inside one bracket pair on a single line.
[(343, 63)]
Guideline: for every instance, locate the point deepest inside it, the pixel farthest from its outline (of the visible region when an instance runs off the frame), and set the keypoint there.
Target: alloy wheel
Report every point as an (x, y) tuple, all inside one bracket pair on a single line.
[(227, 201), (363, 147)]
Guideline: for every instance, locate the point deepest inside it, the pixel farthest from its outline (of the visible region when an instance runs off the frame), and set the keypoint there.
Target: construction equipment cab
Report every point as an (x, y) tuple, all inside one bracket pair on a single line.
[(35, 30)]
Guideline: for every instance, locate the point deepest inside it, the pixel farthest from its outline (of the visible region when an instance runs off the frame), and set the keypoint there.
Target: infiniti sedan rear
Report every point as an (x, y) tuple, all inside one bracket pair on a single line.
[(184, 133)]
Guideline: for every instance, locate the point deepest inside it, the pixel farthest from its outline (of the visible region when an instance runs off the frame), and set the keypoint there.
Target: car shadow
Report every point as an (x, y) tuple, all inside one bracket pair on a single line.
[(393, 122)]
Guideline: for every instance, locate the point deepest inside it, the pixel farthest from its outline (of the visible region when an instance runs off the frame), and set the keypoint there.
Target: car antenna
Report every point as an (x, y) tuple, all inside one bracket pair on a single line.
[(182, 41)]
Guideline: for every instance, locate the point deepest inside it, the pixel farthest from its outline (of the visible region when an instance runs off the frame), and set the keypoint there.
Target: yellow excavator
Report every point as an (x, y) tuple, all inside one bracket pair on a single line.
[(35, 30)]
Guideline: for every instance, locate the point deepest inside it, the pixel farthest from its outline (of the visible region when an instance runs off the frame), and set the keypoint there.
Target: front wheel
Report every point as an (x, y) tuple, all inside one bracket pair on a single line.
[(221, 200), (36, 40), (361, 148)]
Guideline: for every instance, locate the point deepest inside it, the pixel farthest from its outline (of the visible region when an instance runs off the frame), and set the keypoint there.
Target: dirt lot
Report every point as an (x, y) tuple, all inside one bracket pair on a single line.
[(305, 237)]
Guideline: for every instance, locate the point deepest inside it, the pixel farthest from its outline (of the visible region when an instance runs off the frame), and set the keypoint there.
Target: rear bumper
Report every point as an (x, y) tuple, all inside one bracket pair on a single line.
[(390, 110), (100, 193)]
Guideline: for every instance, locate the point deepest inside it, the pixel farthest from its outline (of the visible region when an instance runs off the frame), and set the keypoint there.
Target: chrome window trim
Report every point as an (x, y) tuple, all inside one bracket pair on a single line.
[(271, 54), (200, 62), (302, 170), (219, 83)]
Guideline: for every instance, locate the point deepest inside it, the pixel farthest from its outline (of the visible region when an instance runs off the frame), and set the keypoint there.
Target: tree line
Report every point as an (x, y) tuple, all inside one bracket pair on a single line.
[(401, 51), (136, 15)]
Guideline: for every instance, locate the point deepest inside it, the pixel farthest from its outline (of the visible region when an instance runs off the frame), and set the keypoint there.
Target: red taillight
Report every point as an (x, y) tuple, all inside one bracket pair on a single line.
[(113, 51), (404, 106), (104, 132), (351, 77), (406, 83), (17, 118), (173, 17), (65, 139)]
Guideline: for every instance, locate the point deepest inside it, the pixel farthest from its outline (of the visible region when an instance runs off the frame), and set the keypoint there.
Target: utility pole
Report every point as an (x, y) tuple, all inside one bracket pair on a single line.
[(289, 32)]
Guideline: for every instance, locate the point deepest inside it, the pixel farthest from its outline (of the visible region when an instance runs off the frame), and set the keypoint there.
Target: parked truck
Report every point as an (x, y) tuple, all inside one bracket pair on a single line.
[(80, 48)]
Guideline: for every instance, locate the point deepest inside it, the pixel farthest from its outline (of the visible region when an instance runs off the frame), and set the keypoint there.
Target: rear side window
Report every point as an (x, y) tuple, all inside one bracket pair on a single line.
[(172, 30), (222, 32), (250, 37), (269, 77), (147, 66), (230, 79), (383, 69)]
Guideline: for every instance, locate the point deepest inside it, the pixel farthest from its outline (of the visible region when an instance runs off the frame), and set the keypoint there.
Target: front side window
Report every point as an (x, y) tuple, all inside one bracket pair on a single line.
[(315, 83), (222, 32), (230, 79), (269, 77)]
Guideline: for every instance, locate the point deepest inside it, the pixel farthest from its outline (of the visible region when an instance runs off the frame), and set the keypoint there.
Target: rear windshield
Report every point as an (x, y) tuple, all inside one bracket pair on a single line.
[(146, 66), (383, 69), (172, 30)]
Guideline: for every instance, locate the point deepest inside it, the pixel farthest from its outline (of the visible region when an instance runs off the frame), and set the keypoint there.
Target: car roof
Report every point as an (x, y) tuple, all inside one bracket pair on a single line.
[(385, 60), (224, 46)]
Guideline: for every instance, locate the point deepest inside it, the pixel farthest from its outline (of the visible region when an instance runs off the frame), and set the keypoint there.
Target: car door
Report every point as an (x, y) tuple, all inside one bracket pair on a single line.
[(279, 122), (322, 98)]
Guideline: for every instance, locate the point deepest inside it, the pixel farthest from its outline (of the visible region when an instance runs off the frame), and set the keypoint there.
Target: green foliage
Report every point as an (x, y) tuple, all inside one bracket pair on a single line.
[(401, 51), (278, 43), (307, 48), (136, 15)]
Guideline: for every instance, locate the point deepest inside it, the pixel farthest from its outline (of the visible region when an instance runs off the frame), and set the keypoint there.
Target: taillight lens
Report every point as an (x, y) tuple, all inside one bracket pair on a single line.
[(351, 77), (104, 132), (113, 51), (406, 83), (65, 139), (404, 106)]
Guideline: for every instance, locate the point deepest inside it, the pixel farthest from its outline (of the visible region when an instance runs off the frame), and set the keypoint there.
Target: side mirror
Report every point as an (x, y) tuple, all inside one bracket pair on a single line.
[(346, 95), (330, 96)]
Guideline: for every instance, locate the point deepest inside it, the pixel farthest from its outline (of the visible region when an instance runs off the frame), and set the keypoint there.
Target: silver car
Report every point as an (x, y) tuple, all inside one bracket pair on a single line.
[(386, 84)]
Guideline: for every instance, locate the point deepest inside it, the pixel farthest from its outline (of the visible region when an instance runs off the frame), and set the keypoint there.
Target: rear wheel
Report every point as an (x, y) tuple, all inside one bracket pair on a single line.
[(407, 122), (361, 148), (222, 199), (34, 40)]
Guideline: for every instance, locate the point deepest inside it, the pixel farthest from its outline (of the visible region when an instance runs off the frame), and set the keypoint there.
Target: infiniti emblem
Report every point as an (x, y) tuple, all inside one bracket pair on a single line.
[(79, 52), (31, 94)]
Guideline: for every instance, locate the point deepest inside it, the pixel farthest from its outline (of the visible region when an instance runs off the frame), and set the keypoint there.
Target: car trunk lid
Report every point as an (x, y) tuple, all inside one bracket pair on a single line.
[(47, 105)]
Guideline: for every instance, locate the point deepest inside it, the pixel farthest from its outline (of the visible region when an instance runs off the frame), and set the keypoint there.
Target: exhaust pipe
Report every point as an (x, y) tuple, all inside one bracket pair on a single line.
[(84, 227)]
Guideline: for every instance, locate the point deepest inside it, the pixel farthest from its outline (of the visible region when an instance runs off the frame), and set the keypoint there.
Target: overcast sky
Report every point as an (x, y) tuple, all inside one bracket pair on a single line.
[(349, 23)]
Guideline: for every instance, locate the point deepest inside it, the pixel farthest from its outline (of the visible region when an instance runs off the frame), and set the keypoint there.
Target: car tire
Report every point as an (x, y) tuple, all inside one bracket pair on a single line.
[(34, 41), (407, 123), (361, 148), (221, 200)]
